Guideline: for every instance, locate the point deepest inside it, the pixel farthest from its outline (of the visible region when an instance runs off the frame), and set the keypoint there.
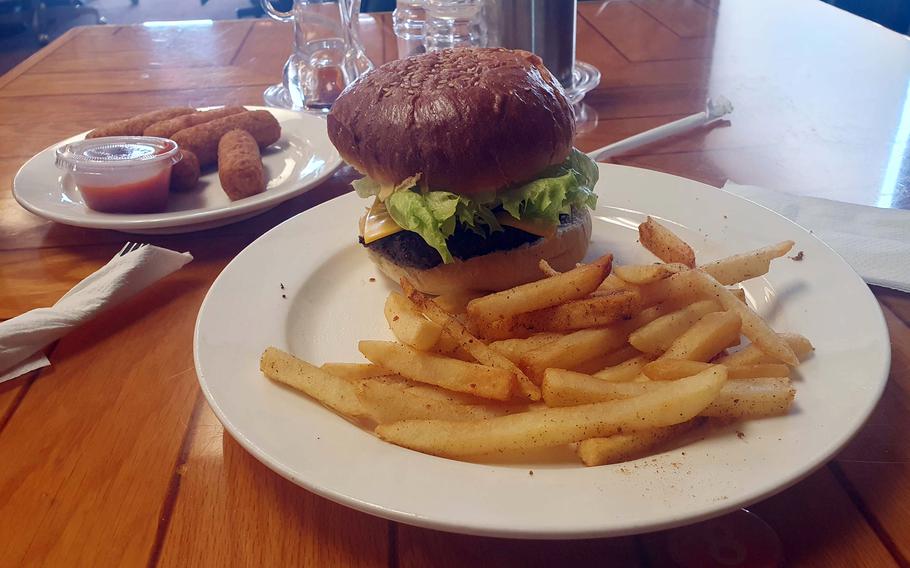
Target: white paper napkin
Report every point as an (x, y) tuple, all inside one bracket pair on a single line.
[(22, 337), (875, 241)]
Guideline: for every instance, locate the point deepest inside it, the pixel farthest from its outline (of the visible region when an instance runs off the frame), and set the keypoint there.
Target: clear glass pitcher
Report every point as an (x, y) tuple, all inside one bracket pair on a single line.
[(327, 55)]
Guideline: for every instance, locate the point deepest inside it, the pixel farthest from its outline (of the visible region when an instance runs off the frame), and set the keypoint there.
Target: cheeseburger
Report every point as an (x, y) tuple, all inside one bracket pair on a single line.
[(470, 167)]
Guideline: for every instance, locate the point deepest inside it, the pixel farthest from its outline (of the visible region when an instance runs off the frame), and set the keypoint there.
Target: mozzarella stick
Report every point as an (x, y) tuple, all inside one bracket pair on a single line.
[(185, 173), (240, 165), (136, 125), (171, 126), (203, 139)]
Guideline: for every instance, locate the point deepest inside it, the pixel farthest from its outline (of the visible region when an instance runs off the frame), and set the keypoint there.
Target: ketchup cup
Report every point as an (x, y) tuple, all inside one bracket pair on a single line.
[(121, 174)]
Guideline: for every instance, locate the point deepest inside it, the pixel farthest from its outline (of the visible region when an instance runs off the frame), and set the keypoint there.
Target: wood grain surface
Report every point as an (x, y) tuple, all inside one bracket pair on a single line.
[(111, 457)]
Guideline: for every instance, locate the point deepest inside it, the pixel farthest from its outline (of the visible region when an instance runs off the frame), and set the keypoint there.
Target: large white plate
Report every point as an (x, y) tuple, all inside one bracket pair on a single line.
[(301, 159), (332, 302)]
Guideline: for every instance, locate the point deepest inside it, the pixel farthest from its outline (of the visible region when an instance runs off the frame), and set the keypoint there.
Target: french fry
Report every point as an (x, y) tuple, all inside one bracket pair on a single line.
[(498, 330), (625, 447), (753, 355), (753, 327), (610, 359), (568, 388), (456, 303), (657, 336), (708, 337), (625, 371), (664, 244), (335, 392), (613, 282), (452, 374), (571, 285), (651, 313), (573, 349), (679, 402), (432, 391), (408, 325), (449, 346), (739, 293), (513, 349), (391, 402), (617, 357), (354, 371), (679, 288), (764, 370), (739, 398), (547, 269), (647, 273), (672, 369), (591, 366), (576, 314), (590, 350), (752, 398), (740, 267), (477, 348)]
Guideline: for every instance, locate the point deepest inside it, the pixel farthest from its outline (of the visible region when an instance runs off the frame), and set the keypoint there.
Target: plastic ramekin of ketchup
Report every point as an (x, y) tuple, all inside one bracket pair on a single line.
[(121, 174)]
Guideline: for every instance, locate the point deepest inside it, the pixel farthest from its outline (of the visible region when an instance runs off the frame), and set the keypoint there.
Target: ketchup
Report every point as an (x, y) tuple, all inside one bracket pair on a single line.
[(121, 174), (144, 196)]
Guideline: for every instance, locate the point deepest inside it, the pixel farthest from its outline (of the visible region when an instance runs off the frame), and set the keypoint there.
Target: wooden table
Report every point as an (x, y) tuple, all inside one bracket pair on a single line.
[(111, 457)]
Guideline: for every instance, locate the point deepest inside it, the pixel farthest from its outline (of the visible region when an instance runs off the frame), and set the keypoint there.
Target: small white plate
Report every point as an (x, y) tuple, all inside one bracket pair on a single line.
[(331, 302), (301, 159)]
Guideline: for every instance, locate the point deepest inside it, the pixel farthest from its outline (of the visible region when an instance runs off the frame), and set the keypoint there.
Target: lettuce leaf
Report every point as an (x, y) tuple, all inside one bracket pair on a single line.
[(368, 187), (434, 215)]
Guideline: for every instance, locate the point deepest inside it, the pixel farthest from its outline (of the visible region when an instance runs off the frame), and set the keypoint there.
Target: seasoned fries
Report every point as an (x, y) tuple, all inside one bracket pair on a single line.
[(476, 348), (754, 327), (752, 398), (672, 369), (514, 349), (647, 273), (621, 363), (336, 393), (678, 402), (739, 293), (409, 325), (577, 314), (708, 337), (626, 371), (568, 388), (617, 357), (547, 269), (452, 374), (664, 244), (681, 288), (740, 267), (740, 398), (572, 285), (354, 371), (754, 355), (624, 447), (456, 303), (390, 402), (572, 350), (657, 336)]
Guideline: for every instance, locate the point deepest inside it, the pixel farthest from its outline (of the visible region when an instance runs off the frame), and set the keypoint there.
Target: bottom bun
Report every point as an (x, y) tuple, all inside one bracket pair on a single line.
[(497, 270)]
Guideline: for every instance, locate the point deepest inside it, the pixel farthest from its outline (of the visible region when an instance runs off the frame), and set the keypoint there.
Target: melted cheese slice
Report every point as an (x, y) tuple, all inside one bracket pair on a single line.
[(378, 224), (533, 227)]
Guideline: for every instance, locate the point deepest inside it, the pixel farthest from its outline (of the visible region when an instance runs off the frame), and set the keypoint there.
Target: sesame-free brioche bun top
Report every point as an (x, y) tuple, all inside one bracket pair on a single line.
[(468, 120)]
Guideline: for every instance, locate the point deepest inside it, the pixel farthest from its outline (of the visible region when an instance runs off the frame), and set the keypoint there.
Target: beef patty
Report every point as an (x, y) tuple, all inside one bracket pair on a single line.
[(407, 248)]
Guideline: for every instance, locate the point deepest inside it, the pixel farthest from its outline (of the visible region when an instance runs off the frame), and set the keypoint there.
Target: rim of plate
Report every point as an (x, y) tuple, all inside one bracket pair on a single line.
[(259, 202), (880, 374)]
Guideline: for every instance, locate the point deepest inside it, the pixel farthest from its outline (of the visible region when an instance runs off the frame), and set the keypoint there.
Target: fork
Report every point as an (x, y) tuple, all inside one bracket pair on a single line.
[(130, 247)]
